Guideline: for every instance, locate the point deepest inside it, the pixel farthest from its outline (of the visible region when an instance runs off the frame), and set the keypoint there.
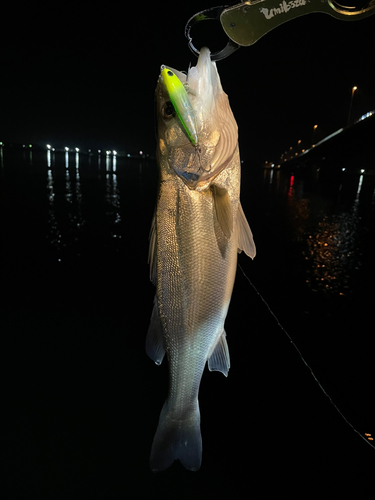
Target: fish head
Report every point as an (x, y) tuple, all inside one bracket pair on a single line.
[(197, 132)]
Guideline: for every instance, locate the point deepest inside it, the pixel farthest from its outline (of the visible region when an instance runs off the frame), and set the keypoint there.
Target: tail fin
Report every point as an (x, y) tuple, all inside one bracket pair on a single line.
[(177, 440)]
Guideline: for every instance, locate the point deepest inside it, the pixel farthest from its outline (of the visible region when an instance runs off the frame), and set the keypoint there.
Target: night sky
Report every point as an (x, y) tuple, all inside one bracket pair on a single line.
[(84, 75)]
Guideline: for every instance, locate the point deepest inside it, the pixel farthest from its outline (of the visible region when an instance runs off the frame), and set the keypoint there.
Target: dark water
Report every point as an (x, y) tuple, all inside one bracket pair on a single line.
[(82, 400)]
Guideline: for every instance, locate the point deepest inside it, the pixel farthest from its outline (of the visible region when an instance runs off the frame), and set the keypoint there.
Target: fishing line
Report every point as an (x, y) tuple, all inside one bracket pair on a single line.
[(366, 437)]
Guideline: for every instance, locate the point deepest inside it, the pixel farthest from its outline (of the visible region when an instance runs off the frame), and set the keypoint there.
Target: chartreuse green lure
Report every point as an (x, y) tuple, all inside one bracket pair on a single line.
[(181, 103)]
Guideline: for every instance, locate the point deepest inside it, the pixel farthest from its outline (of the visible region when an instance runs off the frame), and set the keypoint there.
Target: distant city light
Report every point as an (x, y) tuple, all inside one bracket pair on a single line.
[(362, 171), (66, 149), (351, 104), (141, 152), (367, 115), (99, 151), (114, 153), (77, 150), (49, 146), (108, 152), (30, 145)]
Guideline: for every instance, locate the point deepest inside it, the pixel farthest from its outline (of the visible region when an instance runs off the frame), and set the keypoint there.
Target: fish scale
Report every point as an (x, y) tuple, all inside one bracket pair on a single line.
[(195, 328)]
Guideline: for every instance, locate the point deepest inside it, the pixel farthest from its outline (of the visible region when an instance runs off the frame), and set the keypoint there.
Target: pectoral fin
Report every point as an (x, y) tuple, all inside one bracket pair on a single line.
[(155, 348), (245, 236), (219, 360), (152, 250), (223, 209)]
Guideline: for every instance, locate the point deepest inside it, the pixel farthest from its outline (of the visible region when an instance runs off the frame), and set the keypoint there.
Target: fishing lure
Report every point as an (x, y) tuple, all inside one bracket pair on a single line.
[(181, 103)]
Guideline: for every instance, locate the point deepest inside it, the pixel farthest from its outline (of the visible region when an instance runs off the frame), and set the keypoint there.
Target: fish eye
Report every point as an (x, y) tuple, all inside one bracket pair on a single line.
[(168, 110)]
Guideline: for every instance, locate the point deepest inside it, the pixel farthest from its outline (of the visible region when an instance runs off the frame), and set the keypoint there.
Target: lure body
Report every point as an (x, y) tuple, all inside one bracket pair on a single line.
[(181, 103)]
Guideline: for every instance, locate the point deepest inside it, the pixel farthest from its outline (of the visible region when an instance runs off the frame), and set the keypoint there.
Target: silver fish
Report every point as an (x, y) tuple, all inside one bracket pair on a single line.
[(197, 230)]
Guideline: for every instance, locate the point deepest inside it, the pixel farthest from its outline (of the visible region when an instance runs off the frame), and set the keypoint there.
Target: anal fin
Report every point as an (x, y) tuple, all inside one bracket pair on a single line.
[(219, 360), (155, 348)]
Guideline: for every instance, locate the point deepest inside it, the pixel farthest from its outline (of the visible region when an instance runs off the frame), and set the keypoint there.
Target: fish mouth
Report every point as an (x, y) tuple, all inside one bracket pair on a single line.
[(193, 165), (216, 127), (197, 159), (198, 166)]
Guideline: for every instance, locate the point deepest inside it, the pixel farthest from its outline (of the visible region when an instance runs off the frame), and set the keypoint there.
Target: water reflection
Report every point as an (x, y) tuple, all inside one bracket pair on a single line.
[(108, 162), (64, 202), (272, 177), (28, 153), (359, 185), (114, 202), (326, 228), (76, 205), (92, 198), (332, 253), (113, 199)]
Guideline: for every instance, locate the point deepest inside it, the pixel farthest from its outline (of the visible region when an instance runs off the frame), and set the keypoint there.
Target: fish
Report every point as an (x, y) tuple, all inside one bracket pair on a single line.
[(197, 231)]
